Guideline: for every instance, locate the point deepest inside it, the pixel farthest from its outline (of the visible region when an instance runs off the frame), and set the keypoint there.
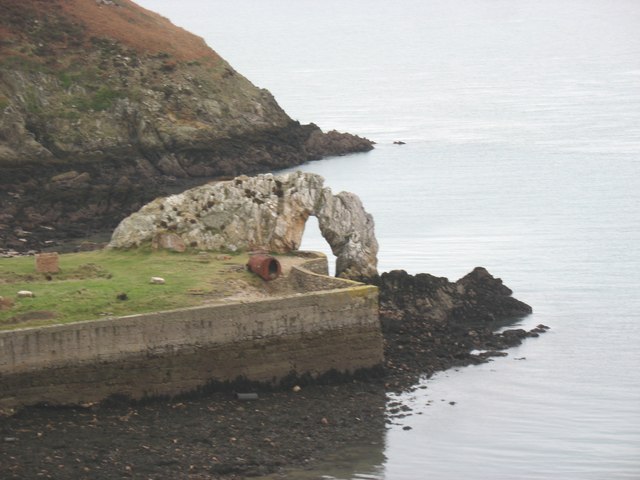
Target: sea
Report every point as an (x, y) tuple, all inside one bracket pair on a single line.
[(521, 128)]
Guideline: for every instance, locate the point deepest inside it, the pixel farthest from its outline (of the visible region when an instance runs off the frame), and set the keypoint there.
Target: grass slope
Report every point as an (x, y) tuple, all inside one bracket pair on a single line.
[(89, 284)]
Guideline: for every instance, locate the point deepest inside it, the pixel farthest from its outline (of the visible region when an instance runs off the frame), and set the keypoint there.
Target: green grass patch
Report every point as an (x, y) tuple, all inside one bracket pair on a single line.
[(104, 98), (66, 79), (91, 285), (32, 102), (98, 101), (24, 63)]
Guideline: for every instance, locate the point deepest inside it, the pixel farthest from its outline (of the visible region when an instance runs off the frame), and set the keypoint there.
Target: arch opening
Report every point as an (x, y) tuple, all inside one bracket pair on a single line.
[(313, 240)]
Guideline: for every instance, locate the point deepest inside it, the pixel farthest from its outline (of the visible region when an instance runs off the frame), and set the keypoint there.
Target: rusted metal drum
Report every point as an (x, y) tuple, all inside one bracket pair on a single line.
[(264, 266)]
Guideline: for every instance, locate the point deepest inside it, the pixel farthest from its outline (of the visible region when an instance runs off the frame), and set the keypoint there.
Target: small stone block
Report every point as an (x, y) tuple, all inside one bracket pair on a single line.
[(5, 303), (47, 263)]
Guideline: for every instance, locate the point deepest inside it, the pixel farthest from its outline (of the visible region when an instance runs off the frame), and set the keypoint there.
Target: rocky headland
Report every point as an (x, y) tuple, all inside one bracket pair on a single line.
[(431, 324), (106, 105)]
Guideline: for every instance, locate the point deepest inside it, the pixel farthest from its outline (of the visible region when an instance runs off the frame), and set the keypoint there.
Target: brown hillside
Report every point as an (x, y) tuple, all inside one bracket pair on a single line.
[(77, 21)]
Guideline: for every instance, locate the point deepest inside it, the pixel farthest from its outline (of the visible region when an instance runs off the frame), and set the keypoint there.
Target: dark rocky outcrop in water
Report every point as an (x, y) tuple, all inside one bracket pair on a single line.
[(431, 324), (106, 105), (477, 297)]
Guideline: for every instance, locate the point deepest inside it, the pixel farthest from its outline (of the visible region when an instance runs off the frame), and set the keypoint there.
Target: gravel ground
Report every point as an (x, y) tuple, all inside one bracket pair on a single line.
[(216, 436)]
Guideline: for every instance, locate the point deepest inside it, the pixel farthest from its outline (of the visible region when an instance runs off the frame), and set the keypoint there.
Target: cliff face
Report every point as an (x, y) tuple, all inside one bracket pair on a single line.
[(105, 105)]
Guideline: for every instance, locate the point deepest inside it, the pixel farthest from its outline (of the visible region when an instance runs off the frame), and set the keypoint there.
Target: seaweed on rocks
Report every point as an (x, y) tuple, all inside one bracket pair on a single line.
[(430, 324)]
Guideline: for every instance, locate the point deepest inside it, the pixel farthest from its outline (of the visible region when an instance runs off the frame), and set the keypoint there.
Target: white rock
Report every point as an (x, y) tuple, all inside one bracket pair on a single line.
[(262, 212), (157, 280), (25, 294)]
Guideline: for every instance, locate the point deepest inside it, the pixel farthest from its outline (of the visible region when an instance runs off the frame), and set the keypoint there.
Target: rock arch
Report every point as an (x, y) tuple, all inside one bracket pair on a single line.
[(262, 212)]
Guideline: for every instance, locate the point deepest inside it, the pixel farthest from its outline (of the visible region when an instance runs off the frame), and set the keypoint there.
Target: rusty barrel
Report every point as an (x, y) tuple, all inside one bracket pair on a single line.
[(265, 266)]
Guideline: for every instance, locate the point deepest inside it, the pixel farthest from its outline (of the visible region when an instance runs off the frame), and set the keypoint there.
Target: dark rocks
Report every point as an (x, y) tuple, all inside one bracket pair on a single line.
[(335, 143), (430, 324), (208, 437), (486, 298), (93, 197), (477, 297)]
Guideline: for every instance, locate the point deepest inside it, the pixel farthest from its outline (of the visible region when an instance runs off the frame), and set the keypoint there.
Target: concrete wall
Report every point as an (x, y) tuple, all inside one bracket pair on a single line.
[(316, 262), (313, 274), (166, 353), (304, 279)]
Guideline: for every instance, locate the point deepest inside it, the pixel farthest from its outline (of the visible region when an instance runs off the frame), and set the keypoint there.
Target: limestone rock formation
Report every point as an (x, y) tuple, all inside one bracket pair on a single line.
[(262, 212), (106, 105)]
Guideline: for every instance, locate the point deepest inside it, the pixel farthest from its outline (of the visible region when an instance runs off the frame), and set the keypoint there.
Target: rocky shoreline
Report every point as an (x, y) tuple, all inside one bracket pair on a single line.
[(430, 324), (215, 434), (159, 112), (76, 200), (97, 118)]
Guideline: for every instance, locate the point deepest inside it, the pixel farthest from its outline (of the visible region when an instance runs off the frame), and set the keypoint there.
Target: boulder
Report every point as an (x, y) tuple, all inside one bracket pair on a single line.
[(265, 212), (478, 297)]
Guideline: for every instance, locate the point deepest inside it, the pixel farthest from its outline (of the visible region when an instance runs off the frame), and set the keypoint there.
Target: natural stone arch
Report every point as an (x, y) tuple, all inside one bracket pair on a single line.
[(349, 230), (262, 212)]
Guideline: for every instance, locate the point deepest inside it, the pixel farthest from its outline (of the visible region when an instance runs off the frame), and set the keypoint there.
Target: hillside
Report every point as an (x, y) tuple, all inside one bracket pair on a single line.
[(105, 105)]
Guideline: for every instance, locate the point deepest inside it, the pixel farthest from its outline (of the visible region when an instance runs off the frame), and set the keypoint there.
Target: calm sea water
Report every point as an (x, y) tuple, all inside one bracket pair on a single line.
[(522, 128)]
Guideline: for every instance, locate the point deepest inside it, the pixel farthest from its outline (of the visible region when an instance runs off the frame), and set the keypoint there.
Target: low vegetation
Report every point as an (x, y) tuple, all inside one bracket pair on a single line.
[(107, 283)]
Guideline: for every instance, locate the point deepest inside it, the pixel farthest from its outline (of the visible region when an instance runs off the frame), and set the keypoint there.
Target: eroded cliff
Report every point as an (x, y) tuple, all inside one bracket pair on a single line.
[(105, 105)]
